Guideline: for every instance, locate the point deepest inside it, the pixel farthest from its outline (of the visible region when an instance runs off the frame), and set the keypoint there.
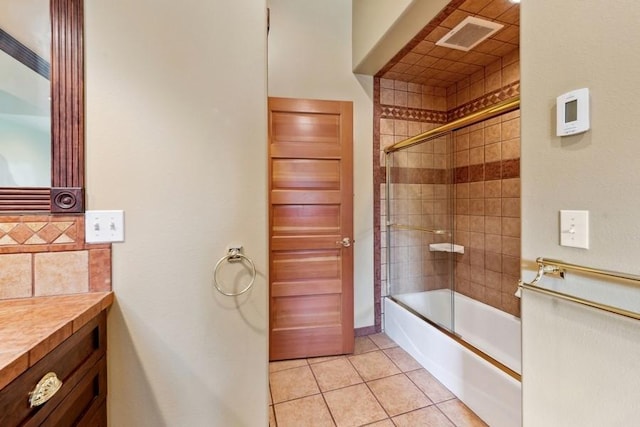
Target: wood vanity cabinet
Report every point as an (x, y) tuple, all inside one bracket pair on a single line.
[(80, 363)]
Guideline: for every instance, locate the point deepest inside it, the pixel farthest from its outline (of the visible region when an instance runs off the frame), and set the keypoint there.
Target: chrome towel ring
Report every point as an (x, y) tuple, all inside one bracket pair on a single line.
[(234, 255)]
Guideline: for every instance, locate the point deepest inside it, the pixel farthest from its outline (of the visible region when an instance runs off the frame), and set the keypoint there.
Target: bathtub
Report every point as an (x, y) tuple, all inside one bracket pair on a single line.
[(488, 390)]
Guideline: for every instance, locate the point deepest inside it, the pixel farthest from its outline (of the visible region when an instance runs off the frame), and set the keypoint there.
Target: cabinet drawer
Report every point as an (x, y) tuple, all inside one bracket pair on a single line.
[(72, 361), (81, 407)]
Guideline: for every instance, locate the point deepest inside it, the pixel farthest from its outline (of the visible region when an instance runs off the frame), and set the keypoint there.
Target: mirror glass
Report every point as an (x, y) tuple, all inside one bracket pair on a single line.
[(25, 107)]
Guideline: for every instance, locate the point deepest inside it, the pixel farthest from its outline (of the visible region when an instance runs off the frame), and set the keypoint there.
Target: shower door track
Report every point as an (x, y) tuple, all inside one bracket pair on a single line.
[(487, 113)]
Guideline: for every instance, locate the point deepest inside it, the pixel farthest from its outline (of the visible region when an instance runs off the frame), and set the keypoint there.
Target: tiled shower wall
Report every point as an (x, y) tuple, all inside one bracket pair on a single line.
[(487, 211), (479, 168), (47, 255)]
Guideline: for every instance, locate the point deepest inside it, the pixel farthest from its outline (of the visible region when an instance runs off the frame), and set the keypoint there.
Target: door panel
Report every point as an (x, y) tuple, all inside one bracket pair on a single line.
[(305, 174), (304, 265), (279, 197), (307, 310), (312, 128), (311, 204), (307, 287), (301, 219)]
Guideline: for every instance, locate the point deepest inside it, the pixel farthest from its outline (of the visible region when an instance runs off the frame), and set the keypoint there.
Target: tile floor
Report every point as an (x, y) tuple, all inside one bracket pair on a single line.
[(378, 385)]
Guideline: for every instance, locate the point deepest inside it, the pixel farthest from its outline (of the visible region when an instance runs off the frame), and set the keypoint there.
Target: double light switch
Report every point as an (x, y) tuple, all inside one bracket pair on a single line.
[(104, 226)]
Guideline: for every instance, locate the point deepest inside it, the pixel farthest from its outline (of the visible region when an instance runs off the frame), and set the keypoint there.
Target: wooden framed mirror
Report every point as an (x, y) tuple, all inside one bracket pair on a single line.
[(66, 194)]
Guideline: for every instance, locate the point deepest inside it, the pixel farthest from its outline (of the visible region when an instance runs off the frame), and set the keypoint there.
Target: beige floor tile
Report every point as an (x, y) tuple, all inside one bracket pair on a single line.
[(314, 360), (430, 386), (308, 411), (402, 359), (429, 416), (383, 341), (354, 406), (397, 394), (286, 364), (292, 384), (460, 414), (335, 374), (374, 365), (328, 391), (383, 423), (364, 345)]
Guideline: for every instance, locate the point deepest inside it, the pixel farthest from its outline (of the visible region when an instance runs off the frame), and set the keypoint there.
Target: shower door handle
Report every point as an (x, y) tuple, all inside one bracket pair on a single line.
[(345, 242)]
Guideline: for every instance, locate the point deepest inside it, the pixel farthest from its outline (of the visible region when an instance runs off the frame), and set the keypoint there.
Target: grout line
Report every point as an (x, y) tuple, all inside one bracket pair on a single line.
[(272, 407), (324, 399), (377, 400), (297, 398), (288, 369), (425, 393), (366, 384), (275, 417), (445, 415)]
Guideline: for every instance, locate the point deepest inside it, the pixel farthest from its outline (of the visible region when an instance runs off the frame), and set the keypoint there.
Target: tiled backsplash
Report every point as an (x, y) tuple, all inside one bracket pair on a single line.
[(47, 255)]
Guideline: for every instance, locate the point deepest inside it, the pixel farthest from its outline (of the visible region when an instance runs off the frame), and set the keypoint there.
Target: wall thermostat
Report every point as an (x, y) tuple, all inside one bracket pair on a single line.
[(573, 112)]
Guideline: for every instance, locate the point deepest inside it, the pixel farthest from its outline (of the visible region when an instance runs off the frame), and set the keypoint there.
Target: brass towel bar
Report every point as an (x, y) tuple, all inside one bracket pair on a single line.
[(552, 266), (415, 228)]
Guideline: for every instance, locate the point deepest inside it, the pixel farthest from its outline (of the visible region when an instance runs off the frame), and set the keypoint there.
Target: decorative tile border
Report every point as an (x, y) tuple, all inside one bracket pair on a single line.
[(41, 233), (378, 177), (485, 101), (413, 114), (442, 117)]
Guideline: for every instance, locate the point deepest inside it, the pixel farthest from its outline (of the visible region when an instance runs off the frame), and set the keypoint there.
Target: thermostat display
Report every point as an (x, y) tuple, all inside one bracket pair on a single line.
[(573, 112)]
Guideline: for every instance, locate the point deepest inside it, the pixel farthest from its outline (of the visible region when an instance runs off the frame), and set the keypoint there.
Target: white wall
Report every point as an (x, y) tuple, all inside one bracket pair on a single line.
[(564, 46), (310, 57), (176, 136)]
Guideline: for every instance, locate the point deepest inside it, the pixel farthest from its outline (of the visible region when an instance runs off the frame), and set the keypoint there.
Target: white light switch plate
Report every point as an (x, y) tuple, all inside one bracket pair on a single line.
[(104, 226), (574, 229)]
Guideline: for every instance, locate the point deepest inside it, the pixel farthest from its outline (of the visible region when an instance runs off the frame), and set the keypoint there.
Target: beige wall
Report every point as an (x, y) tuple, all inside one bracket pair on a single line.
[(176, 136), (310, 57), (564, 46), (382, 27), (371, 20), (580, 45)]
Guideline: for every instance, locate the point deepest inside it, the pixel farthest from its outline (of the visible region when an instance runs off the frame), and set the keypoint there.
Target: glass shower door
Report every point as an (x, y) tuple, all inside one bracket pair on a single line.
[(420, 251)]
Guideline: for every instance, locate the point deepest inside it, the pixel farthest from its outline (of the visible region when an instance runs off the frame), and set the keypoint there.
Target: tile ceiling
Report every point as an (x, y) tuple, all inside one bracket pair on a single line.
[(422, 62)]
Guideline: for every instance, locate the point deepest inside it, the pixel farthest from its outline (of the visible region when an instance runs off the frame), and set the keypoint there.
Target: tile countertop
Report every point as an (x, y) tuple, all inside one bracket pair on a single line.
[(32, 327)]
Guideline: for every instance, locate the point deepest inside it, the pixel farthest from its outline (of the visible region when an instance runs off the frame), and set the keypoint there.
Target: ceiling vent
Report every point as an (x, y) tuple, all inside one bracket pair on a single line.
[(469, 33)]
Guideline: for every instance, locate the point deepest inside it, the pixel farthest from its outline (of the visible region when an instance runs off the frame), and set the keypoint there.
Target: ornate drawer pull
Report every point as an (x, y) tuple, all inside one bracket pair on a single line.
[(45, 389)]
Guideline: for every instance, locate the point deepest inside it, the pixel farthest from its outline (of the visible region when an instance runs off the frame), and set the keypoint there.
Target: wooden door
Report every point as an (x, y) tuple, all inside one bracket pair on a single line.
[(310, 228)]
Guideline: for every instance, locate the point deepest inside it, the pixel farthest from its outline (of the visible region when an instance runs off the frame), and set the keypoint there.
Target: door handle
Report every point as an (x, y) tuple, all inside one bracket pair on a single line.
[(345, 242)]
